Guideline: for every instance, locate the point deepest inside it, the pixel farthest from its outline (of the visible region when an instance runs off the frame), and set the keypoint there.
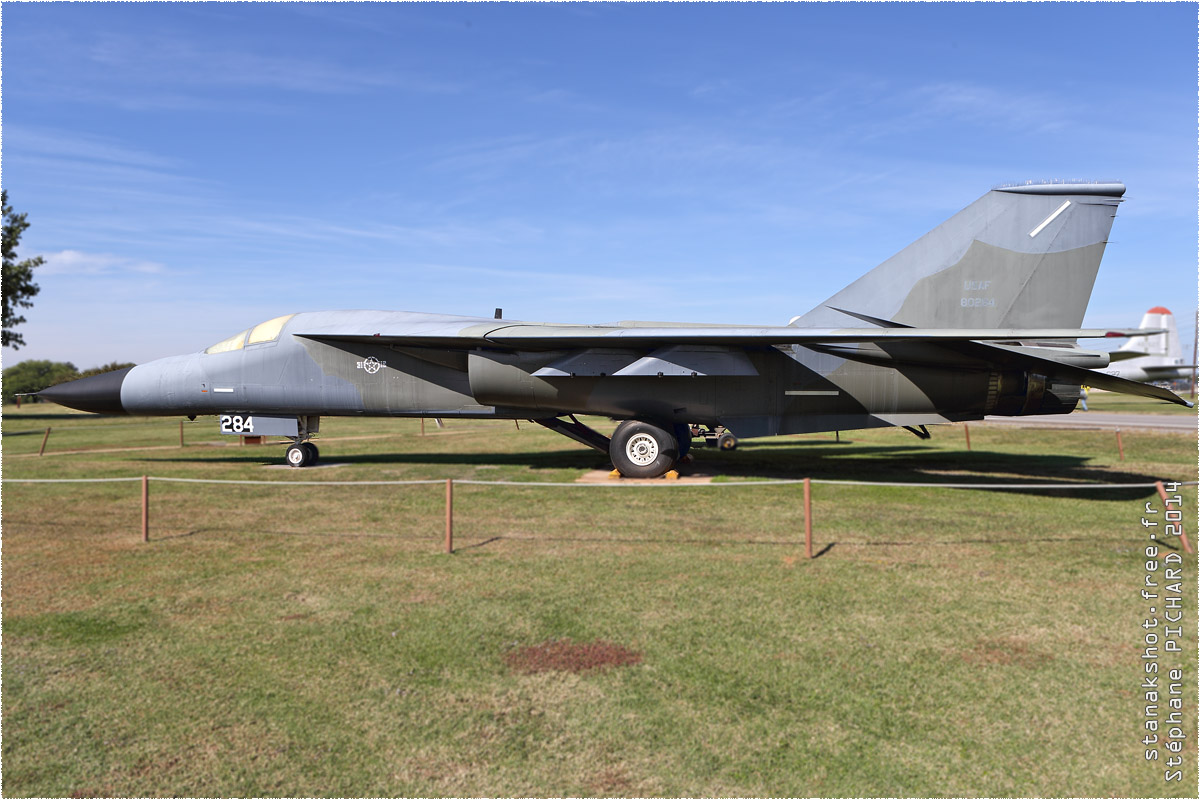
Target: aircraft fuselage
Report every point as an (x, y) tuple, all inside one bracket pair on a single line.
[(769, 389)]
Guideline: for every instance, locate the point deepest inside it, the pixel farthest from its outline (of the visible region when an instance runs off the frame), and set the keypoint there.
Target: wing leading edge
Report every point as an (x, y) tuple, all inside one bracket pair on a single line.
[(550, 337)]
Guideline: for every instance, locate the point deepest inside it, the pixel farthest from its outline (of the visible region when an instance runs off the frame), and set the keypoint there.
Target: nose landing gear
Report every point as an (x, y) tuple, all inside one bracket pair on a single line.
[(303, 454)]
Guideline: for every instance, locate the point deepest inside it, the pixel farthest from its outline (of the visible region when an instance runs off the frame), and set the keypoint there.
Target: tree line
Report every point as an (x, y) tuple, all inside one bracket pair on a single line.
[(33, 376)]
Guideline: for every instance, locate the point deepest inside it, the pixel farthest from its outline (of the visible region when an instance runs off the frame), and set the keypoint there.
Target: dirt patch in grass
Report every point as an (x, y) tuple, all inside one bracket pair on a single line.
[(1005, 651), (564, 655), (610, 781)]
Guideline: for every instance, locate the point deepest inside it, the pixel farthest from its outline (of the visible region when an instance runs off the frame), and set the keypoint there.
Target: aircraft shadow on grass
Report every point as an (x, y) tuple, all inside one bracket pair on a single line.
[(67, 416), (793, 460)]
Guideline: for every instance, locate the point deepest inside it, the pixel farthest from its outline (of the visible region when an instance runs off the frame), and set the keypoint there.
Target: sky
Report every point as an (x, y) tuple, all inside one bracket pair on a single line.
[(190, 170)]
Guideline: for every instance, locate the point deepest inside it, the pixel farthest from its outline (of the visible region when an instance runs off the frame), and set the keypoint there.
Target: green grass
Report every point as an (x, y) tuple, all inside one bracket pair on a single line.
[(1132, 404), (275, 640)]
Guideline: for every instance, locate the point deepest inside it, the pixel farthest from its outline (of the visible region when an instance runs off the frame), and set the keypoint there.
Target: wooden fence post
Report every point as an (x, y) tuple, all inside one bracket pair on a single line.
[(145, 508), (42, 449), (449, 515), (967, 431), (1120, 446), (1162, 492), (807, 518), (181, 433)]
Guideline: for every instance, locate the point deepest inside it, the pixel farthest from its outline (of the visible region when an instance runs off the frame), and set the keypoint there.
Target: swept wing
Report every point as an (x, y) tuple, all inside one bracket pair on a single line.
[(552, 337)]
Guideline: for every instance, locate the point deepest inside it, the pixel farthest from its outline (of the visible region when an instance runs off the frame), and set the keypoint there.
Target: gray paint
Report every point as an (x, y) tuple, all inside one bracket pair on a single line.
[(1003, 219), (1028, 253)]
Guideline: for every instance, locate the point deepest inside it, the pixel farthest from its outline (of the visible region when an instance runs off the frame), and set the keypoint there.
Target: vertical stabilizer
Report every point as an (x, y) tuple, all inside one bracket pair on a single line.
[(1018, 257), (1165, 347)]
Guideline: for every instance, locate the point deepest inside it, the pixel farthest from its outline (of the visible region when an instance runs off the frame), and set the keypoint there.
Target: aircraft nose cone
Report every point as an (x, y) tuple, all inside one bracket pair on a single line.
[(98, 393)]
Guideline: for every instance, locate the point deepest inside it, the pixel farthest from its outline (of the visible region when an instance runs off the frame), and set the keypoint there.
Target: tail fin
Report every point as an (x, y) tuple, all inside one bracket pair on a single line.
[(1164, 346), (1018, 257)]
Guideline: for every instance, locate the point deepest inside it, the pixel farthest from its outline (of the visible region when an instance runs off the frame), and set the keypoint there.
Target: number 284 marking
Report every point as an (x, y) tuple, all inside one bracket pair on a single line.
[(235, 423)]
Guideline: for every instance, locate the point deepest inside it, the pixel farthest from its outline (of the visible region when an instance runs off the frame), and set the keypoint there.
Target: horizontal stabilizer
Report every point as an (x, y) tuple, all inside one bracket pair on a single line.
[(1123, 355), (1066, 373)]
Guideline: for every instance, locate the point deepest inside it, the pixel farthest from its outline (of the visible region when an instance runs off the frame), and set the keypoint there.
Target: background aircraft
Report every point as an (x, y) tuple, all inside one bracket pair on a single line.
[(1152, 358), (977, 317)]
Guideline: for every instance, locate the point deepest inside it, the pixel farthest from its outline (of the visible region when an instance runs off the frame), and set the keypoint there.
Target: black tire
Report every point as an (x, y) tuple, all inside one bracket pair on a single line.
[(683, 435), (314, 455), (298, 456), (727, 441), (642, 449)]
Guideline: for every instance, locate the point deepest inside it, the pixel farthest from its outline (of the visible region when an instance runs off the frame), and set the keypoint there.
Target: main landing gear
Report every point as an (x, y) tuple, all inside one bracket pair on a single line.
[(643, 449)]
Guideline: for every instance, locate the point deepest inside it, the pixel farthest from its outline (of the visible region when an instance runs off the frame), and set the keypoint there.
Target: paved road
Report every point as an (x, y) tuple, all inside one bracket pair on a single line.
[(1171, 423)]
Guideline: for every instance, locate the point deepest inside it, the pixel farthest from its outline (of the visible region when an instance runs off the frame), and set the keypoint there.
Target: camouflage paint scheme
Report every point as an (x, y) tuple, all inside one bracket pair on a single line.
[(977, 317)]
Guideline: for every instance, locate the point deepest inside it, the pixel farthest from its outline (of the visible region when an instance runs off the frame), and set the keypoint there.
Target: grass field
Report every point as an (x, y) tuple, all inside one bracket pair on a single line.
[(313, 640), (1127, 403)]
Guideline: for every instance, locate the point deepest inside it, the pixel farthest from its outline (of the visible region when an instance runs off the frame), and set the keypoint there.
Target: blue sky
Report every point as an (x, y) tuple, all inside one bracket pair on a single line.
[(192, 169)]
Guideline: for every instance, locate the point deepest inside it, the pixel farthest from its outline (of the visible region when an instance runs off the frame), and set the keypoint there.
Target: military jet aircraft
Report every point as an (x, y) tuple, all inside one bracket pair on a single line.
[(977, 317), (1154, 358)]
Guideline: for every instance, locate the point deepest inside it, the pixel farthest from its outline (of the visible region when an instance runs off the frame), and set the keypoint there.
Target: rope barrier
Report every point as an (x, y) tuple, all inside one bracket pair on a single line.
[(72, 480), (616, 483), (449, 483), (306, 483)]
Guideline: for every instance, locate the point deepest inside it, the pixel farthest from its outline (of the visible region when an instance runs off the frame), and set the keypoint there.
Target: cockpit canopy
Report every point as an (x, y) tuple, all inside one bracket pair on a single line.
[(265, 332)]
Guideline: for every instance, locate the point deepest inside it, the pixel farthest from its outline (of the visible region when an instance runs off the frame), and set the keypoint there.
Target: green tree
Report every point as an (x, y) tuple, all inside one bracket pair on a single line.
[(33, 376), (18, 276), (114, 366)]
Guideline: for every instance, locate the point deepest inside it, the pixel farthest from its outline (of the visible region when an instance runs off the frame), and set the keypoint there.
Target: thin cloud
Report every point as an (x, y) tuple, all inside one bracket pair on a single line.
[(714, 89), (958, 104), (283, 229), (82, 147), (181, 62), (564, 99), (75, 262)]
